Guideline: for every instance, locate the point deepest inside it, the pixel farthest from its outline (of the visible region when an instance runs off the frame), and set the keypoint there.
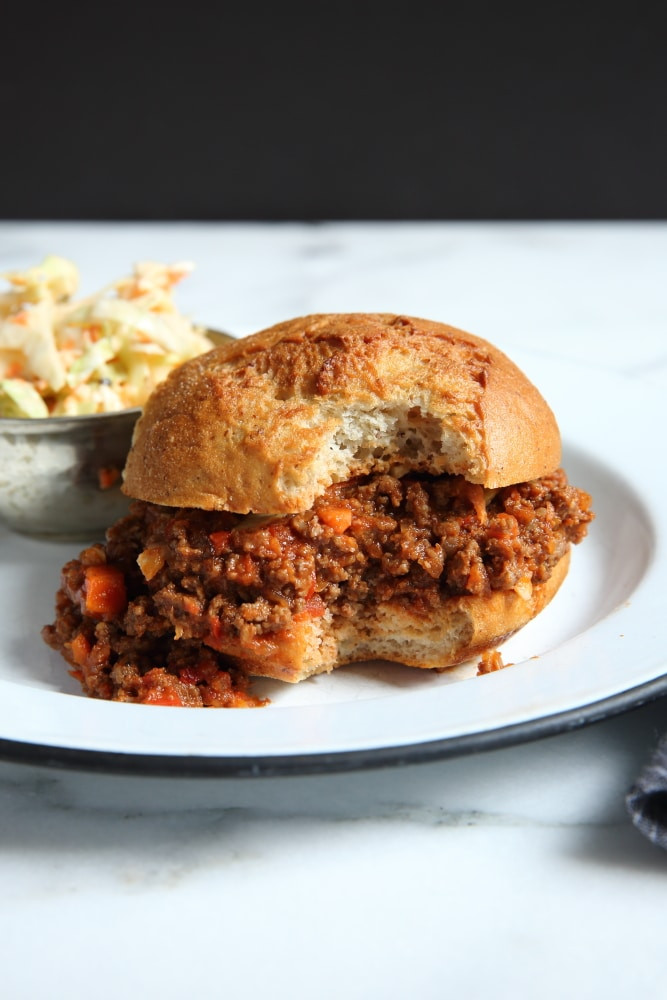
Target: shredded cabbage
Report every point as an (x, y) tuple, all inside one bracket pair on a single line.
[(106, 352)]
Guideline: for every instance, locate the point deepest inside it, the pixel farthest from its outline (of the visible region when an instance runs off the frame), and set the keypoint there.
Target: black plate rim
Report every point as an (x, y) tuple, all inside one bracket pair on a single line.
[(201, 766)]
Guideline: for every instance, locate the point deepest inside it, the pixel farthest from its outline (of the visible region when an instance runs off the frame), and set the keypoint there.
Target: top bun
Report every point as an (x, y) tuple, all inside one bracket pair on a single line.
[(265, 424)]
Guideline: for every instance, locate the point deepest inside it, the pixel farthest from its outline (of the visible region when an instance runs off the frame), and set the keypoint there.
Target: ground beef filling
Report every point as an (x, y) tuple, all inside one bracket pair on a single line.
[(215, 581)]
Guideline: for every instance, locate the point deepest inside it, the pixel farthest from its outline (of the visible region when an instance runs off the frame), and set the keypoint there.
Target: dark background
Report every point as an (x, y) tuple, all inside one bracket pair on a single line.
[(364, 111)]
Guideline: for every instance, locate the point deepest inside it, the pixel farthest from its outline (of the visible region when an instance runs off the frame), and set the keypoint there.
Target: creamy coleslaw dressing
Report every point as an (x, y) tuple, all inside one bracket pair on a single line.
[(64, 357)]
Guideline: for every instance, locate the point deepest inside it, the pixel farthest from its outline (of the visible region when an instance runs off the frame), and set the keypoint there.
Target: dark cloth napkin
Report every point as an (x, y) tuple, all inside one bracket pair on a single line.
[(647, 799)]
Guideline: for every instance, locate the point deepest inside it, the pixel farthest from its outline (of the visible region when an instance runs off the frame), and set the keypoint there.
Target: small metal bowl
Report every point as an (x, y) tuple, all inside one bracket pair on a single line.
[(60, 477)]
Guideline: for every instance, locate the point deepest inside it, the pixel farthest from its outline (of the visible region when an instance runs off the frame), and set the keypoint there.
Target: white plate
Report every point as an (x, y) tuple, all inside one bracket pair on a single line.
[(598, 648)]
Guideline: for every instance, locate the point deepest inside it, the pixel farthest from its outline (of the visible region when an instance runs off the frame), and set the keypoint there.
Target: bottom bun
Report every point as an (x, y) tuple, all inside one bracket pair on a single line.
[(463, 627)]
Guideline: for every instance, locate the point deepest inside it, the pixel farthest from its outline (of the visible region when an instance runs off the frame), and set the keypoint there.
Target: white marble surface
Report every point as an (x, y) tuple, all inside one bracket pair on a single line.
[(509, 873)]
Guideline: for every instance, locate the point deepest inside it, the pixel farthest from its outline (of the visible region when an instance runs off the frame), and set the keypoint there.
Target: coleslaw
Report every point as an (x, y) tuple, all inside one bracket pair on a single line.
[(106, 352)]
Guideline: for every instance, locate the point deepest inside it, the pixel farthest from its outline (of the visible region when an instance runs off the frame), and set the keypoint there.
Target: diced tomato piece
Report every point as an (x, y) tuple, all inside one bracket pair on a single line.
[(104, 590), (281, 532), (217, 634), (219, 540), (190, 675), (315, 608), (192, 606), (198, 673), (311, 585)]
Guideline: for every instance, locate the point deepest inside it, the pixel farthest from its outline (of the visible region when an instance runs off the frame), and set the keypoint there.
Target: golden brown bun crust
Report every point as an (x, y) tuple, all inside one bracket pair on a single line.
[(462, 628), (267, 423)]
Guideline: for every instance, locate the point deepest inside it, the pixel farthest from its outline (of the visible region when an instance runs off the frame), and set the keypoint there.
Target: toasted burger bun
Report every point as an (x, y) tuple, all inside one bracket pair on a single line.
[(462, 628), (267, 423)]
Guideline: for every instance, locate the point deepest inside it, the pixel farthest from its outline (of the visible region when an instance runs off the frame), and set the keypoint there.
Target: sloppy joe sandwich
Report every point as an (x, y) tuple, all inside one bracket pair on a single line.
[(336, 488)]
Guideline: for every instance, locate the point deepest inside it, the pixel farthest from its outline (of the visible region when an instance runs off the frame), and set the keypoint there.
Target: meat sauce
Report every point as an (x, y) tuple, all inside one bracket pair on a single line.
[(149, 616)]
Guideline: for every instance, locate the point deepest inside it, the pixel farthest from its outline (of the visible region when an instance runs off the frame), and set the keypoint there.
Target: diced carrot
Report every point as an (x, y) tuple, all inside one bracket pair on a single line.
[(157, 696), (174, 276), (104, 590), (338, 518), (160, 688), (21, 318), (107, 476), (80, 648)]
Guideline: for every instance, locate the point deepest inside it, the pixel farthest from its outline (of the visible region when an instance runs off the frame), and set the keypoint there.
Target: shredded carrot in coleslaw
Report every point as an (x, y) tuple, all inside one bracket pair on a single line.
[(60, 356)]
